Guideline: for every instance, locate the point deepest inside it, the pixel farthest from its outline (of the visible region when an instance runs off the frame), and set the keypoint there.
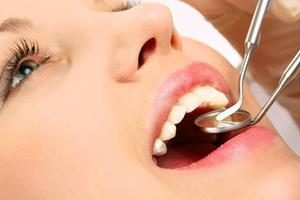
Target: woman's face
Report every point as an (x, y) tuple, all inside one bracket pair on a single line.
[(83, 124)]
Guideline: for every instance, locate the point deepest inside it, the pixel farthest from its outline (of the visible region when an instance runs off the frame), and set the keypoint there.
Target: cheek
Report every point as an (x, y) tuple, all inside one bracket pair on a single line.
[(58, 114), (62, 142), (50, 134)]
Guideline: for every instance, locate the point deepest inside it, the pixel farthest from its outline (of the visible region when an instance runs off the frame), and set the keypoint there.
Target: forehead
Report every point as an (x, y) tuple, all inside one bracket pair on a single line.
[(54, 8), (55, 19)]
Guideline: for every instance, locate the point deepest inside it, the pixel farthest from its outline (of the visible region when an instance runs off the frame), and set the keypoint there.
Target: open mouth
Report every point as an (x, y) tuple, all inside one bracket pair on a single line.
[(177, 143), (181, 143)]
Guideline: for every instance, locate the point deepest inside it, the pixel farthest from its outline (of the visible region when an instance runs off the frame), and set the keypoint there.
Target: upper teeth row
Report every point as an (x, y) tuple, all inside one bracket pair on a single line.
[(202, 95)]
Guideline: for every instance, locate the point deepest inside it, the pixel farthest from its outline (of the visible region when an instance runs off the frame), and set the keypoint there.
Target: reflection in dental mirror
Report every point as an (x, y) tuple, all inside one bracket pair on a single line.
[(209, 124)]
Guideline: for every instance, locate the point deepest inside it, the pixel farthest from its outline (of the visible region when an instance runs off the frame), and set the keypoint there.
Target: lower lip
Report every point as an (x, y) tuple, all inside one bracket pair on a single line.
[(237, 148)]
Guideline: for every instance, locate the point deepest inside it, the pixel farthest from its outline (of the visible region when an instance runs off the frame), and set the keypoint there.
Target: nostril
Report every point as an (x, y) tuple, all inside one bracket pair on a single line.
[(147, 49)]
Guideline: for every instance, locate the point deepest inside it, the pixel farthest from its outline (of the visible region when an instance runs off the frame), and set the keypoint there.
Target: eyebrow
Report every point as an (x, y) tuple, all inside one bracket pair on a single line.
[(15, 25)]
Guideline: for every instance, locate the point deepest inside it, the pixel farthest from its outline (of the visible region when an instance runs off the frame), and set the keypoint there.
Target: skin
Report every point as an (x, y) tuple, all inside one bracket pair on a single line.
[(77, 128)]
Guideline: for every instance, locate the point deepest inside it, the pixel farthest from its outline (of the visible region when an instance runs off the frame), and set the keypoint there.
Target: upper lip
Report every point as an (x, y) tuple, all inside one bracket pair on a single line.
[(177, 84)]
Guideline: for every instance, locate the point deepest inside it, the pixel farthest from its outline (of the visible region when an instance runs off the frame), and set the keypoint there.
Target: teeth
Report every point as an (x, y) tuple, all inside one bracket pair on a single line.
[(177, 114), (168, 131), (189, 101), (159, 148), (211, 96), (186, 104)]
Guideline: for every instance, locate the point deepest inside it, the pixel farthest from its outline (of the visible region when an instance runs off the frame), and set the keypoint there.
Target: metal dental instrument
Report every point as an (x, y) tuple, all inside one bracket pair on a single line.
[(251, 43), (242, 118), (214, 122)]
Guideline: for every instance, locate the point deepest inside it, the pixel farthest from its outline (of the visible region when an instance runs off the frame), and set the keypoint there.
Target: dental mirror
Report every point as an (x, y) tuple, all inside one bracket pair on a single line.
[(208, 123)]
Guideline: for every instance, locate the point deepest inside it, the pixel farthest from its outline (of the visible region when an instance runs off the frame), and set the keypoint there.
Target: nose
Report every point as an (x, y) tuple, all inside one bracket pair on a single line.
[(146, 31), (154, 21)]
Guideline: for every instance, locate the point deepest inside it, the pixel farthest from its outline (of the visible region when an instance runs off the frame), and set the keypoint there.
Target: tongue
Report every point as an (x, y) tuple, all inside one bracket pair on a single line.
[(184, 155)]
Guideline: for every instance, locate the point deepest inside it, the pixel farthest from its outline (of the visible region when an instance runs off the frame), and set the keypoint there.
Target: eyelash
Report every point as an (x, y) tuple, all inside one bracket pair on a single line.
[(23, 49)]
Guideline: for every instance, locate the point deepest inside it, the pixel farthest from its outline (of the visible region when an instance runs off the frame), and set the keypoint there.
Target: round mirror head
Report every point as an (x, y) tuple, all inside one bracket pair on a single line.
[(209, 124)]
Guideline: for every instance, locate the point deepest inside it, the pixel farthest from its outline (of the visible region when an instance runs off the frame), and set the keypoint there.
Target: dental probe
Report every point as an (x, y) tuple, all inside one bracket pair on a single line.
[(251, 43), (242, 118)]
